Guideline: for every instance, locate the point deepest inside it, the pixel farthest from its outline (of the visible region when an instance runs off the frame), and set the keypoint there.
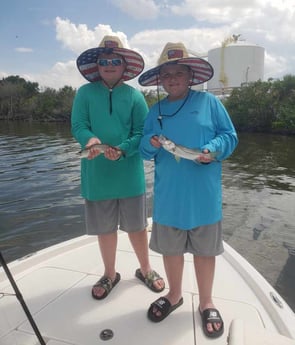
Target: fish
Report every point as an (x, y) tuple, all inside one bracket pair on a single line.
[(180, 151), (101, 147)]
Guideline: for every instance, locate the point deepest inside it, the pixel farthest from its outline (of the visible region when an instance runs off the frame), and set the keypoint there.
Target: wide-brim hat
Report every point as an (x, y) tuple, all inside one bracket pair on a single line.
[(87, 61), (176, 53)]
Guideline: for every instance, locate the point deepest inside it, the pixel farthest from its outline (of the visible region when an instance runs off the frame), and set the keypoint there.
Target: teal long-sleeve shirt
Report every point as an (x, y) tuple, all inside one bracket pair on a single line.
[(187, 194), (103, 179)]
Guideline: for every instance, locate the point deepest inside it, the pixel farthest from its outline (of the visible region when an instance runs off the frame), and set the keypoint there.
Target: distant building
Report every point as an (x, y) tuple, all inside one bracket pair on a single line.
[(236, 63)]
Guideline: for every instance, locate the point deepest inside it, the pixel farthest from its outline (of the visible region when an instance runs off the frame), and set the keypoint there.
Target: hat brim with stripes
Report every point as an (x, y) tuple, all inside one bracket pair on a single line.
[(202, 71), (87, 62), (176, 53)]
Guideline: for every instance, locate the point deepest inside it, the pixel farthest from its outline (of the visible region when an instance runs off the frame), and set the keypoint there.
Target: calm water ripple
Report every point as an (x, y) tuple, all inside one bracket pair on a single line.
[(41, 205)]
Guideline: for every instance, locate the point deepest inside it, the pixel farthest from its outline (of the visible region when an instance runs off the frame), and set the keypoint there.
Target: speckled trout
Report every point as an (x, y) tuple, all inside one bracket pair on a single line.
[(184, 152)]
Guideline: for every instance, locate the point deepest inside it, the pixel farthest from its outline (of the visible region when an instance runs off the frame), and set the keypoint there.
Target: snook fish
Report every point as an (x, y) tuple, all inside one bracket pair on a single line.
[(184, 152), (101, 147)]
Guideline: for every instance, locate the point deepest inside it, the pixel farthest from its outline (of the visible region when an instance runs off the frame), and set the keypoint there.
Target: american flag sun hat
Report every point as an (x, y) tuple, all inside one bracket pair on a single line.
[(87, 61), (176, 53)]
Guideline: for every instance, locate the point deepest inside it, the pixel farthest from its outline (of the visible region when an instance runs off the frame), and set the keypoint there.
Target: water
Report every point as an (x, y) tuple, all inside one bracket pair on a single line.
[(40, 201)]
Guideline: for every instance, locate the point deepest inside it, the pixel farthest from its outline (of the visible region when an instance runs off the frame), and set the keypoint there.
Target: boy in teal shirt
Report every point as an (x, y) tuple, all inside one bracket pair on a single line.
[(108, 111)]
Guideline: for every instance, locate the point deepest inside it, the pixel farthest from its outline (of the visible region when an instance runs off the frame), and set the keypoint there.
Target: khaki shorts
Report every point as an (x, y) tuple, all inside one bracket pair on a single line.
[(107, 216), (204, 240)]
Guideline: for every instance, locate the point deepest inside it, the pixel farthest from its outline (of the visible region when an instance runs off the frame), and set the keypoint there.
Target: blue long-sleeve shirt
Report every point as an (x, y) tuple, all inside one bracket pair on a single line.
[(187, 194)]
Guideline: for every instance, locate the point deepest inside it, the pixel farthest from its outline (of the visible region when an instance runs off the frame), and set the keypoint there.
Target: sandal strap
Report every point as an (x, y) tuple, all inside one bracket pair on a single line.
[(212, 315), (162, 304), (151, 277), (105, 282)]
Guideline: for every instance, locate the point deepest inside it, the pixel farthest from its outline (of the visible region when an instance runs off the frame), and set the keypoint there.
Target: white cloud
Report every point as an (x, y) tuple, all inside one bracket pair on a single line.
[(4, 75), (79, 37), (278, 64), (214, 11), (138, 9), (24, 50), (57, 77), (61, 74), (271, 20), (267, 24)]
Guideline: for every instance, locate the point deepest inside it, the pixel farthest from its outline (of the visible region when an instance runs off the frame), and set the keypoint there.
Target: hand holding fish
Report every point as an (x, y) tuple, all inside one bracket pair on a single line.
[(205, 157), (155, 141), (94, 148), (112, 153), (184, 152)]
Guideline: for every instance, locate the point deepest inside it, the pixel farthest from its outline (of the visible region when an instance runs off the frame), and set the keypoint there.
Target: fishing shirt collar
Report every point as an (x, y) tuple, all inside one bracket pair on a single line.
[(162, 116), (111, 91)]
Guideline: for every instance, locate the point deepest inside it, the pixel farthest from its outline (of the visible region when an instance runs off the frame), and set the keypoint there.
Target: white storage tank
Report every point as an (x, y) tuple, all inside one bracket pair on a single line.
[(235, 63)]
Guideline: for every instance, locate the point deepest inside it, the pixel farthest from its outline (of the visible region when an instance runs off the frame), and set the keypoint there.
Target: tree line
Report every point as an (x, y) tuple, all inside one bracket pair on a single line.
[(264, 106), (23, 100)]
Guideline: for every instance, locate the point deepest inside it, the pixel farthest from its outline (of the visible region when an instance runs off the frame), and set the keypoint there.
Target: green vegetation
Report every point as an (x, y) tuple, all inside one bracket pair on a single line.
[(23, 100), (264, 106), (260, 106)]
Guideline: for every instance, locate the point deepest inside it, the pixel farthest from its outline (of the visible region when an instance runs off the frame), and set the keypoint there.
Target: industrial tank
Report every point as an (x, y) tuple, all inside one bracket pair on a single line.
[(235, 63)]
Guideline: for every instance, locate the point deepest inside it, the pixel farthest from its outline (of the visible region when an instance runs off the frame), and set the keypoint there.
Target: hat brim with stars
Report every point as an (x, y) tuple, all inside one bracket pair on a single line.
[(87, 61)]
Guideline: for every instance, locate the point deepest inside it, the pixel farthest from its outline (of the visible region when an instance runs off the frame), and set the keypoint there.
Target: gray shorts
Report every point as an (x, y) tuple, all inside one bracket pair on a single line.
[(106, 216), (204, 240)]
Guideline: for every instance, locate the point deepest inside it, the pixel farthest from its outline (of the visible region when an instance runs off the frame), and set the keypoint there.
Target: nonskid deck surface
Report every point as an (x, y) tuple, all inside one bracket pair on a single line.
[(58, 293)]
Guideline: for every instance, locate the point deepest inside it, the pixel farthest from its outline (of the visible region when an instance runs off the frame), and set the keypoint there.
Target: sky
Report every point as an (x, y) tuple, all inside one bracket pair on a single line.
[(40, 40)]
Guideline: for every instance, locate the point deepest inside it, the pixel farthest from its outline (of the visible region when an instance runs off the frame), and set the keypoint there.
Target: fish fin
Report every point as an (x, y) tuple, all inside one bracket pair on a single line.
[(177, 158)]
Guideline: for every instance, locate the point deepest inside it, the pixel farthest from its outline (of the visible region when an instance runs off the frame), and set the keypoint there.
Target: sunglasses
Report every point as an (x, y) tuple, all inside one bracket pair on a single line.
[(107, 62)]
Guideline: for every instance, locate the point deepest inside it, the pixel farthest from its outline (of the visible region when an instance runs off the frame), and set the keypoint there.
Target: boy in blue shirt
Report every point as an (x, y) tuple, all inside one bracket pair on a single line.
[(187, 193)]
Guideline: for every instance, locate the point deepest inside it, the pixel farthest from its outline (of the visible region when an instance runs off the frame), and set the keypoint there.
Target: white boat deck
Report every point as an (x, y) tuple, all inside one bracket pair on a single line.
[(56, 285)]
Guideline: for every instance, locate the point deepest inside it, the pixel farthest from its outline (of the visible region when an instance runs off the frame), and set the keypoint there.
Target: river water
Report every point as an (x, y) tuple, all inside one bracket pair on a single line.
[(40, 204)]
